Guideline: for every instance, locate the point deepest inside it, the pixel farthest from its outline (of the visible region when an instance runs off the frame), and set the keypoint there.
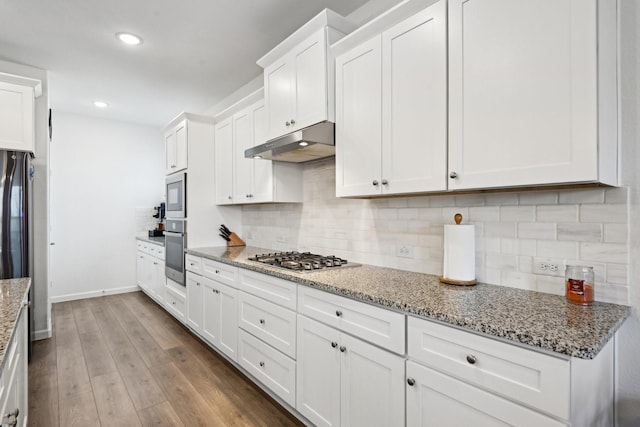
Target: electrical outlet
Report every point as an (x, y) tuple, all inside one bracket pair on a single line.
[(549, 266), (405, 251), (282, 239), (249, 235)]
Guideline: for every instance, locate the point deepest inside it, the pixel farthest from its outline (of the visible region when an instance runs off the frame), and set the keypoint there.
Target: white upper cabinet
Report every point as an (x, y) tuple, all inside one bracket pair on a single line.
[(532, 93), (17, 112), (359, 120), (298, 76), (224, 161), (176, 147), (240, 180), (391, 106)]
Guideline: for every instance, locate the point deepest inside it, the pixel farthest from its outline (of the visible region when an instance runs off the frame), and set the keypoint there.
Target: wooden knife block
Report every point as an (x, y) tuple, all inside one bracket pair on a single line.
[(235, 241)]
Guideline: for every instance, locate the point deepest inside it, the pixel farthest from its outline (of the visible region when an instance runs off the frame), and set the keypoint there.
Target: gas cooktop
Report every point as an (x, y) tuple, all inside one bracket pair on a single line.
[(302, 262)]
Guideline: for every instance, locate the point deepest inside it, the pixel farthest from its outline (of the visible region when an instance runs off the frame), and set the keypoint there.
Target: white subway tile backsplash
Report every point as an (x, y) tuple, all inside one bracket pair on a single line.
[(538, 198), (616, 195), (595, 195), (536, 230), (484, 213), (618, 274), (501, 261), (613, 213), (581, 226), (616, 233), (556, 249), (557, 213), (580, 232), (517, 213), (500, 229), (604, 252)]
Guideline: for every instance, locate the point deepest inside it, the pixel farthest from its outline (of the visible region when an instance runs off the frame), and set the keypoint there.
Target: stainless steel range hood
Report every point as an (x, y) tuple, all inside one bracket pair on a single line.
[(311, 143)]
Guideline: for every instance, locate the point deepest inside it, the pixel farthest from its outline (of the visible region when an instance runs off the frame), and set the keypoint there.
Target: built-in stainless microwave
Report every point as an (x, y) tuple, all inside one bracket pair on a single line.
[(176, 195)]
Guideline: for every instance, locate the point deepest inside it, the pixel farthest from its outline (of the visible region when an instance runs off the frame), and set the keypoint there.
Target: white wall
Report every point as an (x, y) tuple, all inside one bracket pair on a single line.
[(40, 279), (102, 173)]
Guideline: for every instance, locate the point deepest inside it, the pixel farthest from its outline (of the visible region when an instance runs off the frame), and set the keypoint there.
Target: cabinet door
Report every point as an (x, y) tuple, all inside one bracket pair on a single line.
[(170, 151), (310, 81), (224, 162), (182, 154), (414, 90), (262, 169), (243, 168), (195, 293), (211, 312), (435, 399), (359, 120), (279, 97), (522, 92), (140, 268), (318, 373), (157, 276), (371, 385), (16, 117), (228, 342)]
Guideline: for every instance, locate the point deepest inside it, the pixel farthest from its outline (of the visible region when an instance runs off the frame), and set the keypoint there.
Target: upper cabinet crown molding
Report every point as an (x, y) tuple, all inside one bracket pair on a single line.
[(299, 76), (23, 81), (188, 116), (326, 18)]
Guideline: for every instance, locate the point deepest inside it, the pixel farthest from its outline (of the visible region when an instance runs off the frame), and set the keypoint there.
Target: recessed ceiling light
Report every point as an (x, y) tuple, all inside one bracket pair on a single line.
[(128, 38), (100, 104)]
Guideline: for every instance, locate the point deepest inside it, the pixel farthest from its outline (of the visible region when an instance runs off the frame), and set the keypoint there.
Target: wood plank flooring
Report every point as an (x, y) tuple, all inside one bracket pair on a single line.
[(122, 360)]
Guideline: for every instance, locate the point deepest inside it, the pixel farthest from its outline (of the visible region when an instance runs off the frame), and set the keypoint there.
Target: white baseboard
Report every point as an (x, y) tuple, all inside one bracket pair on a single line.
[(94, 294), (42, 334)]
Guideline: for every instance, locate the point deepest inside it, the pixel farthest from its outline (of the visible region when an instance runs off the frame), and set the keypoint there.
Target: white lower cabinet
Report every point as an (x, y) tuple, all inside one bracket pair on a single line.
[(342, 380), (13, 380), (212, 303), (150, 270), (435, 399), (220, 319), (271, 367), (176, 300)]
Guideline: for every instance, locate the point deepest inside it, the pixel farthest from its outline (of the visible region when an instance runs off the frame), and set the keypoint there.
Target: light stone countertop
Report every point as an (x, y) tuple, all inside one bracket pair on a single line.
[(537, 319), (13, 295), (156, 240)]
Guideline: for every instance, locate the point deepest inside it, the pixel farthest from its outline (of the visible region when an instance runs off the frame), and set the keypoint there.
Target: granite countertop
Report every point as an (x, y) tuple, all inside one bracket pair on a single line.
[(13, 294), (156, 240), (532, 318)]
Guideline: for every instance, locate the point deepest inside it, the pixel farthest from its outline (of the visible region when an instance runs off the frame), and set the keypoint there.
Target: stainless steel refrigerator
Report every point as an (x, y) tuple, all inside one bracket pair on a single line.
[(16, 229)]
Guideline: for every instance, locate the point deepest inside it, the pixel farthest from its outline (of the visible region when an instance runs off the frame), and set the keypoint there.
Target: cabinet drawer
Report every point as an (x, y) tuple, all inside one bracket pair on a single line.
[(175, 303), (271, 323), (523, 375), (156, 251), (193, 263), (377, 325), (278, 291), (436, 399), (269, 366), (224, 273)]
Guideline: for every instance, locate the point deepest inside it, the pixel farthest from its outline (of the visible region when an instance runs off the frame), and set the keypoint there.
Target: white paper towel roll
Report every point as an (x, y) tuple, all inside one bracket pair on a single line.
[(459, 254)]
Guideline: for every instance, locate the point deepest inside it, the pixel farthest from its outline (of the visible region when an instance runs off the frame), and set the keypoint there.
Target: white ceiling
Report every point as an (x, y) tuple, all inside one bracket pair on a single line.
[(195, 52)]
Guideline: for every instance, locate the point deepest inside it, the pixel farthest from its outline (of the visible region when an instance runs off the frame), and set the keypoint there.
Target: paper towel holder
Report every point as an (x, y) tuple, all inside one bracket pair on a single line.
[(458, 219)]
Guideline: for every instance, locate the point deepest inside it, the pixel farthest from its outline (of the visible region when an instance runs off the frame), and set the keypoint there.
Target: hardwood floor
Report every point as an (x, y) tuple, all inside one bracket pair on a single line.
[(122, 360)]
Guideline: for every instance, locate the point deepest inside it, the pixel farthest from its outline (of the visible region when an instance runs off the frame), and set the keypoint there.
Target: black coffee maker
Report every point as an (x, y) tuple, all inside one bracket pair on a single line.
[(160, 214)]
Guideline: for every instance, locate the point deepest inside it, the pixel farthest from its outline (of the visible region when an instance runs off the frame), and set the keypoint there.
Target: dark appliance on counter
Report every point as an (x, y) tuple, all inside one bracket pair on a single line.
[(160, 215), (176, 187), (302, 262), (175, 243), (16, 226)]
